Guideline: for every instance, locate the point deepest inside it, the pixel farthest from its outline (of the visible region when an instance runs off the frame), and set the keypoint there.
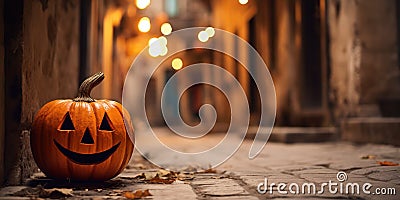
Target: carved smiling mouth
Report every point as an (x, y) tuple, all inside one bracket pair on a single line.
[(87, 159)]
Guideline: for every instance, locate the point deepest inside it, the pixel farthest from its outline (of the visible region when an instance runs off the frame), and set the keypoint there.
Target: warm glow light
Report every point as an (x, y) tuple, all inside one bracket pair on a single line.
[(144, 24), (243, 1), (154, 52), (177, 63), (166, 28), (202, 36), (163, 40), (158, 46), (142, 4), (164, 51), (210, 31), (152, 40)]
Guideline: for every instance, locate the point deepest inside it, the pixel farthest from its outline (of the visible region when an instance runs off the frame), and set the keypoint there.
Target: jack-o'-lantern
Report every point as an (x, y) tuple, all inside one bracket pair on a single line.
[(82, 138)]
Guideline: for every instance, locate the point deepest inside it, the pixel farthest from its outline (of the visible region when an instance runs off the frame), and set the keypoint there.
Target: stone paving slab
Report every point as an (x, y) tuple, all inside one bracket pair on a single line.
[(219, 187), (354, 164), (314, 171), (397, 182), (369, 170), (296, 167), (165, 191), (6, 191), (385, 176), (235, 198), (303, 134), (14, 198)]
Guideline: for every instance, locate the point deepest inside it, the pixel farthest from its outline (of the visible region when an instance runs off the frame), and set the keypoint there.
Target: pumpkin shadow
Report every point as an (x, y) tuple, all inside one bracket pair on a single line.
[(75, 185)]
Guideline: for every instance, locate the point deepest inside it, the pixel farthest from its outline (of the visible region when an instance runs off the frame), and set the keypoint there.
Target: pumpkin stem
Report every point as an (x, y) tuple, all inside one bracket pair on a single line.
[(87, 86)]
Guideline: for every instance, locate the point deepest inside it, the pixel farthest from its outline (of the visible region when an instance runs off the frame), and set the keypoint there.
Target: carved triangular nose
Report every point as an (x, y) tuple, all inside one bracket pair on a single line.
[(87, 138)]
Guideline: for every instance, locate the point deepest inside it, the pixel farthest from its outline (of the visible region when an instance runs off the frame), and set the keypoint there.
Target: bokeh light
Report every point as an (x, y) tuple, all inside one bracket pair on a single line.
[(243, 1), (142, 4), (144, 25), (163, 40), (202, 36), (158, 46), (177, 63), (152, 40), (164, 51), (210, 31), (166, 28)]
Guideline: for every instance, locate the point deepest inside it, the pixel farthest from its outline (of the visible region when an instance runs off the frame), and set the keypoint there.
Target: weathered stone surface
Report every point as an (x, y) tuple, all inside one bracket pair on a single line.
[(254, 173), (369, 170), (165, 191), (2, 95), (219, 187), (42, 64), (314, 171), (365, 130), (301, 134), (14, 198), (222, 191), (252, 181), (6, 191), (235, 198), (396, 181), (297, 167), (385, 176), (318, 178), (355, 164), (365, 58), (243, 176)]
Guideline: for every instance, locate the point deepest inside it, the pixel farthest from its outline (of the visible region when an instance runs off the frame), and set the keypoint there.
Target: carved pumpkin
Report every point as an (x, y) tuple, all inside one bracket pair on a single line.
[(82, 138)]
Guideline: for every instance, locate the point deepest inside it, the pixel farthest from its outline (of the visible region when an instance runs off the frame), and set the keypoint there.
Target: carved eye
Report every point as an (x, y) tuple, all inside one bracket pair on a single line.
[(105, 124), (67, 124)]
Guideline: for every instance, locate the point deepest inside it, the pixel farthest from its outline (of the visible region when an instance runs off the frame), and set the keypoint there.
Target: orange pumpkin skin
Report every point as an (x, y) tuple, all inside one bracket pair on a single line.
[(82, 139)]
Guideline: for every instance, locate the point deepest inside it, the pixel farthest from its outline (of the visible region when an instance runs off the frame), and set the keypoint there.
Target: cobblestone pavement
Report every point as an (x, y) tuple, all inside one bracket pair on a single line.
[(302, 165)]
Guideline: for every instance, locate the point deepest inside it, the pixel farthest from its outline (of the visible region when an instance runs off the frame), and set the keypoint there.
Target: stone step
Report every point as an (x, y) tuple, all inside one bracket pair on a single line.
[(382, 130), (298, 134)]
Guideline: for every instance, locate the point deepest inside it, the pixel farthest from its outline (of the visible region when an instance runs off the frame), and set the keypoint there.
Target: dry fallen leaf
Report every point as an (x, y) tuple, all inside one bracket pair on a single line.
[(137, 194), (115, 193), (368, 157), (185, 177), (387, 163), (159, 177), (163, 172), (159, 180), (209, 170), (140, 176)]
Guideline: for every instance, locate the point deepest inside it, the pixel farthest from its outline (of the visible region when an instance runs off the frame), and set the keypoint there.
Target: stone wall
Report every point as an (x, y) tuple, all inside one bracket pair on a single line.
[(51, 53), (41, 64), (2, 93), (363, 56), (12, 70), (345, 49), (380, 69)]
